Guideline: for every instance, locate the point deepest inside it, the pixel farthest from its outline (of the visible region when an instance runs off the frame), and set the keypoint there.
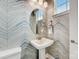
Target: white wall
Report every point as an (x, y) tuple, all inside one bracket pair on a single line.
[(73, 29)]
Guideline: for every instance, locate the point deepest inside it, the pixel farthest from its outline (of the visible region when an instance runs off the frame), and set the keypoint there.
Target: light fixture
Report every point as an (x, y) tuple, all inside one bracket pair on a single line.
[(40, 2), (34, 0), (45, 4)]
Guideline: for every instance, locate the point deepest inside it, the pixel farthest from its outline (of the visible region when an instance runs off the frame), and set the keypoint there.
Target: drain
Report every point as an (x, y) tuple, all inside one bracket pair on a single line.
[(57, 57)]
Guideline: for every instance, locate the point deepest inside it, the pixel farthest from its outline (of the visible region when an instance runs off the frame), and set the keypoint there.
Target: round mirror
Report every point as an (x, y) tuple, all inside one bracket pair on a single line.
[(36, 20)]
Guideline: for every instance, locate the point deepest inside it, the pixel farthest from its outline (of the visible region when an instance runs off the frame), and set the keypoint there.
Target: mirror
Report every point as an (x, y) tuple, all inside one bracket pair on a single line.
[(36, 21)]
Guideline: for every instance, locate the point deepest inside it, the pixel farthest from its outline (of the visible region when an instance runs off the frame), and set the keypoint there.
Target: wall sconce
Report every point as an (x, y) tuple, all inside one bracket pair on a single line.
[(45, 4), (41, 2), (34, 0)]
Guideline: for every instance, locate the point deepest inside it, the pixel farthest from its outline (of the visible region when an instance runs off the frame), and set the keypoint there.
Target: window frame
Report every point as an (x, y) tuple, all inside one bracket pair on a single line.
[(67, 3)]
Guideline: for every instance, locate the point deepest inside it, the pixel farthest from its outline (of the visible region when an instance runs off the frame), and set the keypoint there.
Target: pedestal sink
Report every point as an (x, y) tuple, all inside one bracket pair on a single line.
[(41, 44)]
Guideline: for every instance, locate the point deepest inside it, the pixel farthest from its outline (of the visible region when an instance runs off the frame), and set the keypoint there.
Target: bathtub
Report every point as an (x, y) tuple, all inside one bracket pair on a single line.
[(13, 53)]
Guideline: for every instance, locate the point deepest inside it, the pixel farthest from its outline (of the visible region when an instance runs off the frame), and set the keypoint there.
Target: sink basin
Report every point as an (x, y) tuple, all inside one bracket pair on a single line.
[(42, 43)]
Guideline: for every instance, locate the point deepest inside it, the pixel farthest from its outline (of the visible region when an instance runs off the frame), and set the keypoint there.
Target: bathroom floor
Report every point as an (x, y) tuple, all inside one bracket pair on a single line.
[(48, 56)]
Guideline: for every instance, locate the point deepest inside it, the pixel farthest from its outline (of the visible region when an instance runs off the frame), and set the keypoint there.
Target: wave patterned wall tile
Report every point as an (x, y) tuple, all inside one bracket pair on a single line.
[(14, 25), (3, 25), (60, 48), (19, 31), (18, 24)]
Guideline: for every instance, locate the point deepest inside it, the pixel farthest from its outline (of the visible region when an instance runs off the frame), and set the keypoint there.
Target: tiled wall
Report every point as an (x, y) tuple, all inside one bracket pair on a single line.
[(60, 48), (3, 25), (15, 30), (19, 31)]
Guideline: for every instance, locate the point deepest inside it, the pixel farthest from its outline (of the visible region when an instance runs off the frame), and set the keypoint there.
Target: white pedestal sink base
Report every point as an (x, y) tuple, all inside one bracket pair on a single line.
[(49, 56), (41, 45), (41, 53)]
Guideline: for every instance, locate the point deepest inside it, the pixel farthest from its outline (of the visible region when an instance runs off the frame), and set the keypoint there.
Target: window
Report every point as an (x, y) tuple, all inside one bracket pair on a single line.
[(61, 5), (39, 15)]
